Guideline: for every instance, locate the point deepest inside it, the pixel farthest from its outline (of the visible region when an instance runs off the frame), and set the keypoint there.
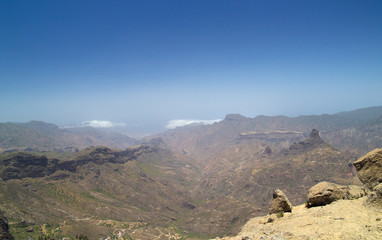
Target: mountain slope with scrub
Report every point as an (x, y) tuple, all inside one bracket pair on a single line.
[(195, 182)]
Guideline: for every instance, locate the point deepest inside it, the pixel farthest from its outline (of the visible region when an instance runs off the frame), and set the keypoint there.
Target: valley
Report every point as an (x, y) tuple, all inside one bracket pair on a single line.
[(192, 182)]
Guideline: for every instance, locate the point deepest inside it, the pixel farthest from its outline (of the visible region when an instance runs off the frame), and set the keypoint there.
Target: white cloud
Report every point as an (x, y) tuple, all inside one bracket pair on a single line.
[(183, 122), (102, 124)]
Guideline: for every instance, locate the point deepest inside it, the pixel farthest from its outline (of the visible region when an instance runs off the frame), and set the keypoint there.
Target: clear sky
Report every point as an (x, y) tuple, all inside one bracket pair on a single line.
[(148, 62)]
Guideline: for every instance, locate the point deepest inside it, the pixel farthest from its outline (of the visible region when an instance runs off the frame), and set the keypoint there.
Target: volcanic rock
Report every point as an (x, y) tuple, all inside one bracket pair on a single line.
[(314, 133), (280, 203), (21, 165), (313, 141)]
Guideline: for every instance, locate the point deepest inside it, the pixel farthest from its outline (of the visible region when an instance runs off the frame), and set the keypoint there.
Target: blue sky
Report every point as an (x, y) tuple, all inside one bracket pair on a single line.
[(148, 62)]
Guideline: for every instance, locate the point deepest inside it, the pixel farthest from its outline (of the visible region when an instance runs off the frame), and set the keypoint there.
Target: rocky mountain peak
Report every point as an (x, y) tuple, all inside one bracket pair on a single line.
[(314, 133), (309, 143)]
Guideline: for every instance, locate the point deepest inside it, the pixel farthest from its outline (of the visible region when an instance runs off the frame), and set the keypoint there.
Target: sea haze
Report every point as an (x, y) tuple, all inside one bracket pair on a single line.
[(148, 64)]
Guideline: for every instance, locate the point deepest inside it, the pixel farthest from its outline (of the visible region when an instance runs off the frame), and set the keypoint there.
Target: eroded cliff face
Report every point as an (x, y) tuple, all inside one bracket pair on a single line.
[(21, 165)]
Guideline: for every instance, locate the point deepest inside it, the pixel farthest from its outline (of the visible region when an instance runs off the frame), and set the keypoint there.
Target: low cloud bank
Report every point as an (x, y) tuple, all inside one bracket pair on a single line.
[(102, 124), (183, 122)]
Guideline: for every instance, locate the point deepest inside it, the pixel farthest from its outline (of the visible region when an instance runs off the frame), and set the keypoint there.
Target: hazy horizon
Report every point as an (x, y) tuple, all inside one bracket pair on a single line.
[(150, 64)]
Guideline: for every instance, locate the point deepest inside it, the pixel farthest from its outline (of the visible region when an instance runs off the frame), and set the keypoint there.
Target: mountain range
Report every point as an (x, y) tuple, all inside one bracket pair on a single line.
[(41, 136), (194, 182)]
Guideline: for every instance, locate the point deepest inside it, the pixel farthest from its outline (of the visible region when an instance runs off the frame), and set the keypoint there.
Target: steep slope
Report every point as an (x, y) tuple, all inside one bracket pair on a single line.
[(252, 178), (358, 140), (238, 182), (303, 165), (82, 192), (331, 212), (141, 188)]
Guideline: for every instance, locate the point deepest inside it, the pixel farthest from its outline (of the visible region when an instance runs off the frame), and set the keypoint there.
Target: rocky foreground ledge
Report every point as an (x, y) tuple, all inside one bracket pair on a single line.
[(342, 219), (332, 211)]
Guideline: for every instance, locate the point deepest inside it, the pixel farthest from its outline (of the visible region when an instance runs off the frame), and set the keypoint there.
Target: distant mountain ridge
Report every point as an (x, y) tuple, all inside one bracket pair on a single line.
[(357, 131), (369, 113), (41, 136)]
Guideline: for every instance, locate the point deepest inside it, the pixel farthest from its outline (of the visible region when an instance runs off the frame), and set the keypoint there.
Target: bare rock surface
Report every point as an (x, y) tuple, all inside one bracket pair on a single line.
[(369, 168), (375, 197), (280, 203), (342, 219), (369, 171), (326, 192)]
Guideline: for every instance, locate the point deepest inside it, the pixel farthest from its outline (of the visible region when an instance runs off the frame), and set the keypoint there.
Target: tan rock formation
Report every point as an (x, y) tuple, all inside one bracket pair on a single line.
[(342, 219), (280, 203), (346, 217), (369, 168), (369, 171), (325, 192)]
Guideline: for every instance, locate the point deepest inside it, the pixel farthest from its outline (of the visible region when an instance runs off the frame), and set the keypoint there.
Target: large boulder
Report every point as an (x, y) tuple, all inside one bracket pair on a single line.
[(369, 168), (369, 171), (325, 192), (280, 203)]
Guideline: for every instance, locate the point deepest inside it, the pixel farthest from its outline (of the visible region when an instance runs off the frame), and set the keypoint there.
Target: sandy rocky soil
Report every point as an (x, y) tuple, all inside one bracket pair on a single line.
[(359, 218), (343, 219)]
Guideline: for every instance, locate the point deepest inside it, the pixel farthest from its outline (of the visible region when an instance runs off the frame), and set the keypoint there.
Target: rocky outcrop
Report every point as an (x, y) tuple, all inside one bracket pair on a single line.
[(369, 171), (324, 193), (340, 220), (313, 141), (4, 229), (280, 203), (349, 219), (22, 165), (375, 197), (369, 168), (314, 134)]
